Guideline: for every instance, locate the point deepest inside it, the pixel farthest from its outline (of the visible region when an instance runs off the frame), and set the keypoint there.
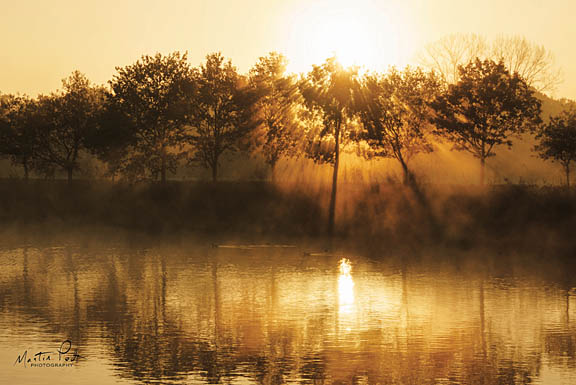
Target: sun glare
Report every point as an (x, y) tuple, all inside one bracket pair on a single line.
[(345, 286), (358, 33)]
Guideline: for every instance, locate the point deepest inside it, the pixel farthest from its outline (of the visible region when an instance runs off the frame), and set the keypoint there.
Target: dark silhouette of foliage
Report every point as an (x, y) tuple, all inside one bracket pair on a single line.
[(68, 118), (112, 137), (277, 108), (154, 94), (19, 131), (394, 109), (484, 109), (160, 110), (558, 140), (328, 91), (222, 111)]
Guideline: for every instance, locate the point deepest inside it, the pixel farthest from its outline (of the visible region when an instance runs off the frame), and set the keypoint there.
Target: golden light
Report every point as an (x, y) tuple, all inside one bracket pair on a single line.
[(345, 267), (345, 286), (358, 33)]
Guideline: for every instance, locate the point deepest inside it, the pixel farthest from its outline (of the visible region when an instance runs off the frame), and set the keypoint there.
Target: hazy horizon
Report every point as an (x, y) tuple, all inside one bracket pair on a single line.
[(44, 42)]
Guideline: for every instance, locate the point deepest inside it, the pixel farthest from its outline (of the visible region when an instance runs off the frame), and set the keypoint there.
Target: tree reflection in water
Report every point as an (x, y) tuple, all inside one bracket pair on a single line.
[(205, 315)]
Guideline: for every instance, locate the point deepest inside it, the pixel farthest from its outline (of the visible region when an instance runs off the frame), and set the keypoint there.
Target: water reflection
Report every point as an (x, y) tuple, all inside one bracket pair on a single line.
[(206, 315), (345, 287)]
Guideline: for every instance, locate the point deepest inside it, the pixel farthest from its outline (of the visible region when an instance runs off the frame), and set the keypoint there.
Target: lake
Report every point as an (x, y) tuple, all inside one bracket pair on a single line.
[(128, 312)]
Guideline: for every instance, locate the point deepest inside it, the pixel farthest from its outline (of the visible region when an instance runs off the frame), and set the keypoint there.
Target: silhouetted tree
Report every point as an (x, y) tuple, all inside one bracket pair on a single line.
[(222, 111), (328, 91), (112, 138), (68, 118), (276, 135), (394, 109), (19, 131), (154, 94), (485, 108), (558, 140), (534, 63)]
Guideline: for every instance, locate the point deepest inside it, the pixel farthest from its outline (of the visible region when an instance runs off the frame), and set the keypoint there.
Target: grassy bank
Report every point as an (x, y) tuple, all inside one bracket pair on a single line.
[(229, 208), (374, 216)]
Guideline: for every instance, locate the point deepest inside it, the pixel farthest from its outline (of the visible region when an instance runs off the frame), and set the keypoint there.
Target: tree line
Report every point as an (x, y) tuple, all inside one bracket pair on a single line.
[(161, 112)]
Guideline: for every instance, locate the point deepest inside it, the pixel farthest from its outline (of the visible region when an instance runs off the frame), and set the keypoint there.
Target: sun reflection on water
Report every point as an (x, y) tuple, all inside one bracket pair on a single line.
[(345, 287)]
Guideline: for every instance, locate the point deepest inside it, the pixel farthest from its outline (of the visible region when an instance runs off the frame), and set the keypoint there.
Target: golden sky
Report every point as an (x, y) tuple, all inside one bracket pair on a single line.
[(43, 41)]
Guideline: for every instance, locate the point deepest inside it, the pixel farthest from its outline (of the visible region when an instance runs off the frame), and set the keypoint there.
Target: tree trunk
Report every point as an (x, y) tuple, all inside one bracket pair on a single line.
[(26, 172), (69, 170), (407, 173), (332, 208), (163, 167), (215, 172), (272, 171), (567, 168), (482, 171)]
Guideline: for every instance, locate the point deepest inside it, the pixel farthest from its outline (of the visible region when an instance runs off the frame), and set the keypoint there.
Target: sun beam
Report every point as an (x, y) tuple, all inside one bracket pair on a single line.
[(357, 33)]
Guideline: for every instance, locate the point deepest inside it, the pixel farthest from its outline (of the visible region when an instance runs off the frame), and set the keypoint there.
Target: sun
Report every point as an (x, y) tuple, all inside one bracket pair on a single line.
[(358, 33)]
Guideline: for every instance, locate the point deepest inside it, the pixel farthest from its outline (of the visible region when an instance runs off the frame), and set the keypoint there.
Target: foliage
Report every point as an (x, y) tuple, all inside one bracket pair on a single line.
[(160, 110), (328, 95), (277, 109), (154, 94), (19, 130), (485, 108), (558, 140), (222, 111), (394, 110), (68, 118), (112, 137)]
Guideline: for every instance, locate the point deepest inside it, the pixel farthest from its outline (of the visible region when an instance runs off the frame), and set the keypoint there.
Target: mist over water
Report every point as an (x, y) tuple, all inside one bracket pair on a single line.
[(145, 311)]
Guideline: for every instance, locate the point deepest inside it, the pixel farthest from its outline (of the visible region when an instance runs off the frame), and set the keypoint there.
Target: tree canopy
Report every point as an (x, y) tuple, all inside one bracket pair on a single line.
[(19, 125), (68, 118), (558, 140), (484, 108), (277, 108), (394, 110), (154, 94), (161, 112), (222, 111)]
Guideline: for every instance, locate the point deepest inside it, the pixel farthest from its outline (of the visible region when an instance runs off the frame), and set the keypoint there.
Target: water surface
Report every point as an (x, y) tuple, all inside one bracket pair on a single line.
[(198, 314)]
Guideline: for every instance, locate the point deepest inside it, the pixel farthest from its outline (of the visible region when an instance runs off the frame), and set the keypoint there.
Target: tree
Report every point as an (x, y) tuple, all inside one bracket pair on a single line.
[(447, 54), (484, 109), (19, 131), (558, 140), (277, 105), (394, 110), (112, 138), (222, 111), (154, 95), (68, 118), (327, 91), (534, 63)]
